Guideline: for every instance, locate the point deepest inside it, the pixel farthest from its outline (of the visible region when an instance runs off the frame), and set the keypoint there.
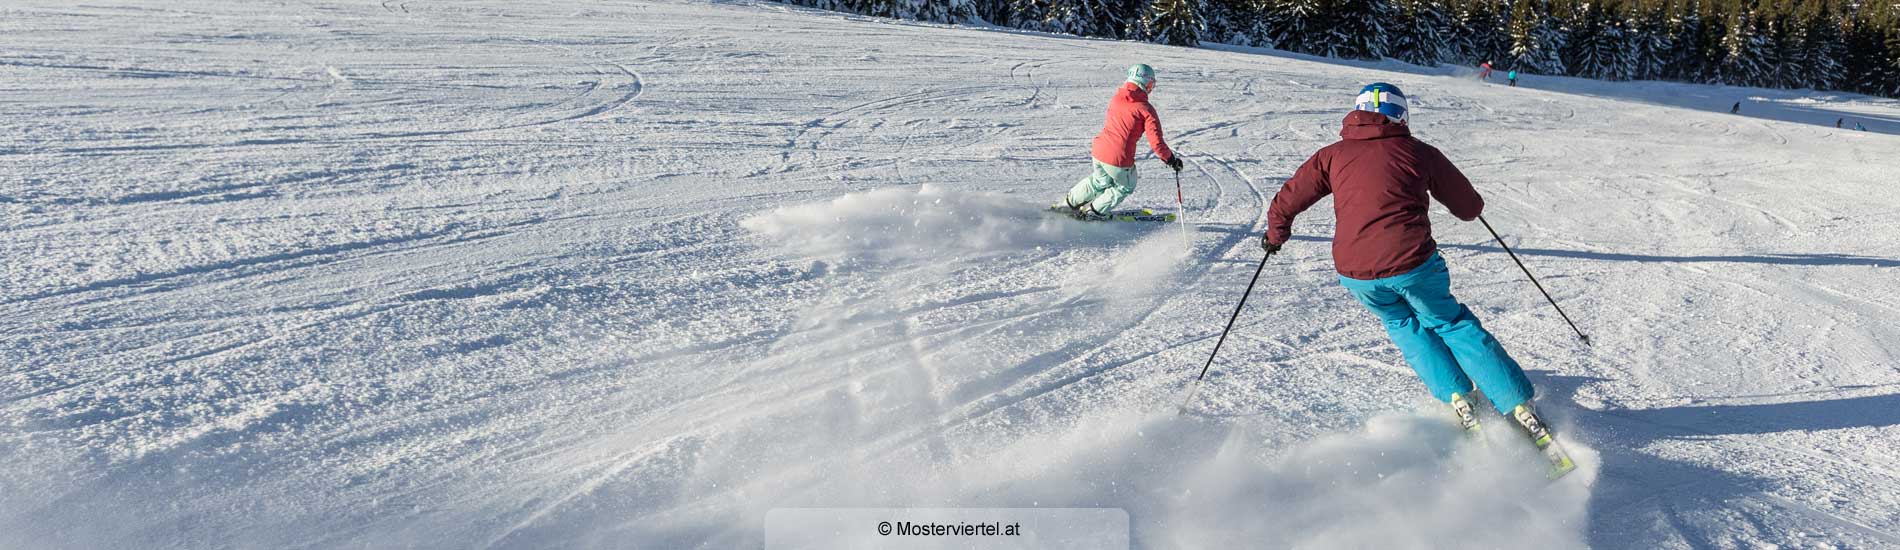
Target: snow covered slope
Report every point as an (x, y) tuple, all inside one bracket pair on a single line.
[(315, 274)]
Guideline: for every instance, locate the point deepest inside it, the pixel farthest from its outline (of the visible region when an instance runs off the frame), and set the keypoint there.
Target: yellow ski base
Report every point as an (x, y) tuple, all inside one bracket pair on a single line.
[(1560, 462), (1142, 215)]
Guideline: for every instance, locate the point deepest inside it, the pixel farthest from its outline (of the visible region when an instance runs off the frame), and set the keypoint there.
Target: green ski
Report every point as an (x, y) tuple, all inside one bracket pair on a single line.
[(1560, 462), (1142, 215)]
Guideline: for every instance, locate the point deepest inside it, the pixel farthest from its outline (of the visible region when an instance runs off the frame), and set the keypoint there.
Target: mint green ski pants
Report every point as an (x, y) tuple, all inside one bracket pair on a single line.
[(1104, 188)]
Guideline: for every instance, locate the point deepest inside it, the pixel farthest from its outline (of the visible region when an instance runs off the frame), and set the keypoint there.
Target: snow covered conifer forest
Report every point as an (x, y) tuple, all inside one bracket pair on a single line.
[(1847, 45)]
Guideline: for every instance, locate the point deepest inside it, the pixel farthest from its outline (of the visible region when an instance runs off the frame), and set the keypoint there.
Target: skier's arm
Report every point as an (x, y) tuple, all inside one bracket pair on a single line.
[(1307, 186), (1450, 187), (1155, 141)]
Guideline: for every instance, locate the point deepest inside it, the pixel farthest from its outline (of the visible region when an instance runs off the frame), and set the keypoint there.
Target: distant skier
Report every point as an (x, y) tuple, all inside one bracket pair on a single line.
[(1860, 127), (1381, 179), (1838, 121), (1113, 176), (1484, 71), (1736, 110), (1513, 78)]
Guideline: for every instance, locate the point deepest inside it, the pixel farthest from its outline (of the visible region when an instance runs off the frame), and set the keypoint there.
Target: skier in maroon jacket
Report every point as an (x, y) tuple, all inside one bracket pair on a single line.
[(1381, 179)]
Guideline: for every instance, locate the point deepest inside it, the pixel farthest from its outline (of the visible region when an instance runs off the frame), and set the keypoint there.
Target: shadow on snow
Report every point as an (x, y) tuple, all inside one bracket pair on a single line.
[(1638, 493)]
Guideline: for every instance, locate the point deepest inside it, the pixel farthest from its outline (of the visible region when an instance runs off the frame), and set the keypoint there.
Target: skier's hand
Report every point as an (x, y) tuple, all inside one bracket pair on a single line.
[(1268, 245), (1174, 162)]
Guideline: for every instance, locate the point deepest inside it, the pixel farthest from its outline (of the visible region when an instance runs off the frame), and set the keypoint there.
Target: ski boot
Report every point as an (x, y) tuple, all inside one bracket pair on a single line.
[(1467, 418), (1087, 212), (1560, 462)]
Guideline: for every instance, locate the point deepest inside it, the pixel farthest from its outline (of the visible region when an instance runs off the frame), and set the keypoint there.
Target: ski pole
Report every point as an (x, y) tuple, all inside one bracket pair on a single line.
[(1181, 205), (1533, 278), (1223, 333)]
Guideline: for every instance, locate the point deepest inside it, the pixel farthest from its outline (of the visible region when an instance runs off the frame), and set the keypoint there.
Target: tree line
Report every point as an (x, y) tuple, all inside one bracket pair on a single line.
[(1850, 45)]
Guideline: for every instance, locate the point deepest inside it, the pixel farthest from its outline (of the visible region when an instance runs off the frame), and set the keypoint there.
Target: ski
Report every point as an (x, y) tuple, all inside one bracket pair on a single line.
[(1560, 462), (1142, 215)]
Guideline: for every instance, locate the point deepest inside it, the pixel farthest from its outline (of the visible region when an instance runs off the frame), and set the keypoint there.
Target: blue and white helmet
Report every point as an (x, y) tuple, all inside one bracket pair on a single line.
[(1382, 98), (1142, 75)]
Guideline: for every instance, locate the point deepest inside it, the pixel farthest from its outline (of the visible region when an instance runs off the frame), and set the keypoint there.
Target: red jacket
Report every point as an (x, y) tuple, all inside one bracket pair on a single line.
[(1379, 176), (1129, 114)]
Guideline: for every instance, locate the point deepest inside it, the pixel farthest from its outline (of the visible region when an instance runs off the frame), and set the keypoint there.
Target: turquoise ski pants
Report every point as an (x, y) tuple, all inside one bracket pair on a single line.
[(1440, 337), (1104, 188)]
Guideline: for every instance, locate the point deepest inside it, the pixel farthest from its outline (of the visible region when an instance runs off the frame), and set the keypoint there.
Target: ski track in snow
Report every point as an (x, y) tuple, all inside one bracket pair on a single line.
[(314, 274)]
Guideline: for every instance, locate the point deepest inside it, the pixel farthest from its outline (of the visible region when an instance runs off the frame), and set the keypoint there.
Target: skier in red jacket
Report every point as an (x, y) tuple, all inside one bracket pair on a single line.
[(1113, 177), (1381, 179)]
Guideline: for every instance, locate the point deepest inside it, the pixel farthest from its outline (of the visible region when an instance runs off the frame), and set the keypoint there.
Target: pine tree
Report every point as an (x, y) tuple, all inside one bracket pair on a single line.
[(1745, 60), (1647, 34), (1224, 21), (1866, 61), (1357, 29), (1461, 42), (1237, 22), (937, 11), (1483, 33), (1535, 40), (995, 12), (1886, 81), (1176, 22), (1123, 19), (1423, 35), (1821, 48), (1697, 39), (1595, 47), (1125, 16), (1296, 25), (1071, 17), (1617, 46), (1257, 29), (832, 5), (1029, 14), (1786, 56)]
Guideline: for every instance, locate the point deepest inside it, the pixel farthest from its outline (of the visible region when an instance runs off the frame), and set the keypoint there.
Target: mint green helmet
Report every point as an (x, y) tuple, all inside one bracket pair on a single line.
[(1142, 75)]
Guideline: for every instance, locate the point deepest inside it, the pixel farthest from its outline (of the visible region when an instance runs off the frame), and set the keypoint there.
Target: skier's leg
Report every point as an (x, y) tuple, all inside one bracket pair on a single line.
[(1122, 184), (1428, 291), (1091, 186), (1422, 349)]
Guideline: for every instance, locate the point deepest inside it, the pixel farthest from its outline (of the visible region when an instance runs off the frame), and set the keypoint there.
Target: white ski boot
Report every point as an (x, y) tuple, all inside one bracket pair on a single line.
[(1467, 417), (1560, 462)]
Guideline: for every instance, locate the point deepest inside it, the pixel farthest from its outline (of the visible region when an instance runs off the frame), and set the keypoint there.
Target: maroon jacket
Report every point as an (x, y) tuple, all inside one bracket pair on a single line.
[(1379, 176)]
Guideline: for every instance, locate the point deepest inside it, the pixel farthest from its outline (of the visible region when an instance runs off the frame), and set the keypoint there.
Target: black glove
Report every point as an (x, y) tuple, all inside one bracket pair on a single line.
[(1268, 246), (1174, 162)]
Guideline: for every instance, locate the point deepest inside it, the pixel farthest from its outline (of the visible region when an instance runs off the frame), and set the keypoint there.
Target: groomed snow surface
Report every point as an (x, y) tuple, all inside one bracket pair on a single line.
[(558, 274)]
